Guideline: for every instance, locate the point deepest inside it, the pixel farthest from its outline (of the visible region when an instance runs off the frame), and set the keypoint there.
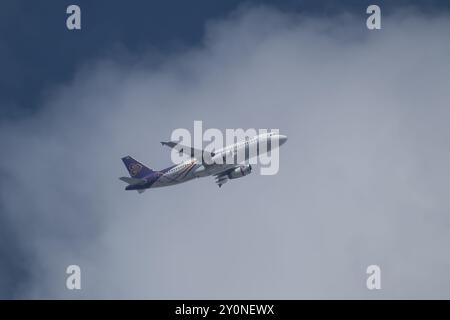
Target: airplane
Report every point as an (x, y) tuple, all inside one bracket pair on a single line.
[(143, 178)]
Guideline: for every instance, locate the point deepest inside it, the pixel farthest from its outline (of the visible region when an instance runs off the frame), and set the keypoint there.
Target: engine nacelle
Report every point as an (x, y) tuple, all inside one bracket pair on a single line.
[(240, 172)]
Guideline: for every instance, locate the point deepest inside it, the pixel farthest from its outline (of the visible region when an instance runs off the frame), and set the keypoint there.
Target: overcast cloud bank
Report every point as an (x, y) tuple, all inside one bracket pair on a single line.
[(363, 179)]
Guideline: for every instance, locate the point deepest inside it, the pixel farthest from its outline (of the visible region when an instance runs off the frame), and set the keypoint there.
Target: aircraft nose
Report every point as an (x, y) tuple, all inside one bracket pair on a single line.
[(282, 139)]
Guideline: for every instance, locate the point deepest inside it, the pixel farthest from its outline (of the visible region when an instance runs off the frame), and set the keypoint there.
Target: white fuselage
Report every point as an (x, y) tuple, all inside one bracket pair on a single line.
[(194, 168)]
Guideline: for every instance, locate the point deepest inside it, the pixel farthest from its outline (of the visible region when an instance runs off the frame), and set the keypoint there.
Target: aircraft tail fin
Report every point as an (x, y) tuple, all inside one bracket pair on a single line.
[(136, 169)]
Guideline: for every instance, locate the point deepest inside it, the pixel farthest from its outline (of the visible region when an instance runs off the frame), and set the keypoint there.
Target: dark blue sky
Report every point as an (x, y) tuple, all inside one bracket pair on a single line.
[(38, 52)]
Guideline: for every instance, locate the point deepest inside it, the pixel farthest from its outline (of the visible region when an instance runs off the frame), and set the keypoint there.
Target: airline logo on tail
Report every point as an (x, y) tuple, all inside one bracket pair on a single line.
[(134, 169)]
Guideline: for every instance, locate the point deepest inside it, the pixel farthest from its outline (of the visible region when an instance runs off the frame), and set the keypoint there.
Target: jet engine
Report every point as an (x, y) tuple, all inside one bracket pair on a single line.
[(240, 172)]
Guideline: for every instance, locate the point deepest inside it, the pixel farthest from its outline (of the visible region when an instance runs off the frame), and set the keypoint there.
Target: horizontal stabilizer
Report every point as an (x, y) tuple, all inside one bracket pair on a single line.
[(132, 180)]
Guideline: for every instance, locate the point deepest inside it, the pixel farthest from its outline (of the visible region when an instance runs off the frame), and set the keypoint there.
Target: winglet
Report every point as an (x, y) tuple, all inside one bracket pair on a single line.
[(169, 143)]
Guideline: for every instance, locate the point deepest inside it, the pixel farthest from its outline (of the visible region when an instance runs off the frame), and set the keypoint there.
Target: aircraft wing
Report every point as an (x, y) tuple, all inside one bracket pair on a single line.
[(192, 152)]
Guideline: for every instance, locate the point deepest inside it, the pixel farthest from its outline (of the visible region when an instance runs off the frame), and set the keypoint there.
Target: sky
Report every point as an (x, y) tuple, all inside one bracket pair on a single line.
[(363, 177)]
